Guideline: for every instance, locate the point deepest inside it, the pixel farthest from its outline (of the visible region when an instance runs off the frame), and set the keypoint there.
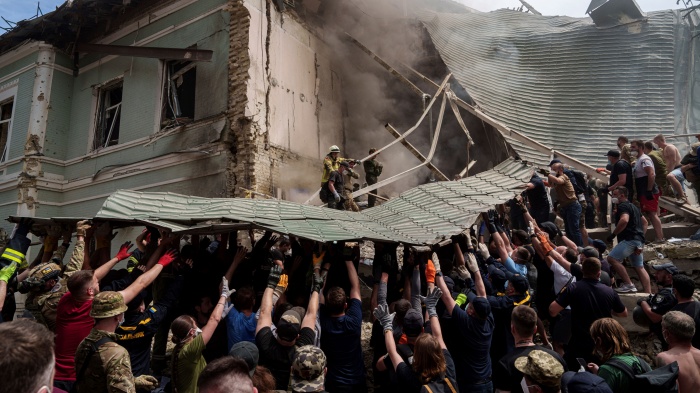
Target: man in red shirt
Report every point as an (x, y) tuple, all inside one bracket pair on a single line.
[(73, 320)]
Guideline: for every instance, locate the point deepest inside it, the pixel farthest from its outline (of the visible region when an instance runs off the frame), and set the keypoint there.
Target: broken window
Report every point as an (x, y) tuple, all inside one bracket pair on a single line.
[(179, 92), (5, 126), (108, 115)]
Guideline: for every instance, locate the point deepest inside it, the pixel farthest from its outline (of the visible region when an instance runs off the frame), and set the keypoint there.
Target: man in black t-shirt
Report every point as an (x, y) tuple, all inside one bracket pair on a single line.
[(523, 325), (502, 307), (335, 186), (621, 173), (276, 353), (537, 196), (629, 228), (589, 300), (657, 304)]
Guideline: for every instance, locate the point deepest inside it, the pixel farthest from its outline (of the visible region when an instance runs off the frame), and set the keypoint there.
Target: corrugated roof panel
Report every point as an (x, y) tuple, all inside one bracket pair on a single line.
[(419, 216), (567, 84)]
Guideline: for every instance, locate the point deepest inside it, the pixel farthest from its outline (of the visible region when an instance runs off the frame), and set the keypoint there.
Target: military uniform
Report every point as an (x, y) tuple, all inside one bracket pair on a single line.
[(661, 171), (108, 369), (373, 169), (43, 305), (104, 366), (349, 203)]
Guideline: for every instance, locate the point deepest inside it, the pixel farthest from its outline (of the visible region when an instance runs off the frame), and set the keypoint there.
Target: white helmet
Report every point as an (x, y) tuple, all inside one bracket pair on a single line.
[(334, 149)]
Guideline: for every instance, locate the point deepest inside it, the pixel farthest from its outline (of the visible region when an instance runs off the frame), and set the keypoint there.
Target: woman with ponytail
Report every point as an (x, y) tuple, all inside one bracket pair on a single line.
[(188, 362)]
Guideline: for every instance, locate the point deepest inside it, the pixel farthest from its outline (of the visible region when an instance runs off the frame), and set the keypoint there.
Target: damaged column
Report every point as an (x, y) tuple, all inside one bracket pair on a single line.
[(33, 148)]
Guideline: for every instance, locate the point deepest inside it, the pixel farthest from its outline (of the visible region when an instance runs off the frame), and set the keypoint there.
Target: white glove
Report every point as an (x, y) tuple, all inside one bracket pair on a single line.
[(483, 251), (225, 292), (336, 196), (436, 262), (462, 272), (471, 263), (227, 307)]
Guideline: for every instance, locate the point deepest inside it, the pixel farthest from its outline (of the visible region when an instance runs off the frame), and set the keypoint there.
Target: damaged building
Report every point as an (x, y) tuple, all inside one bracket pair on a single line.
[(230, 98)]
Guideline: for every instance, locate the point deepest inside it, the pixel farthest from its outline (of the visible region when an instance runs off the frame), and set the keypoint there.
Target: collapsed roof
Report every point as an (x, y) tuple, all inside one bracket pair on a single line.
[(566, 83), (423, 215)]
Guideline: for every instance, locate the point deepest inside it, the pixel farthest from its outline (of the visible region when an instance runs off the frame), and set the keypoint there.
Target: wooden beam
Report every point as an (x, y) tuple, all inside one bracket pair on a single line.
[(145, 51), (439, 175), (684, 210)]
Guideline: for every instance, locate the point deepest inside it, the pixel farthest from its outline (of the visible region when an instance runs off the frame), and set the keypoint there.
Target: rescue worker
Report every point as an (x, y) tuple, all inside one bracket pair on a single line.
[(46, 283), (102, 364), (334, 186), (652, 308), (330, 164), (373, 169), (13, 257), (348, 175)]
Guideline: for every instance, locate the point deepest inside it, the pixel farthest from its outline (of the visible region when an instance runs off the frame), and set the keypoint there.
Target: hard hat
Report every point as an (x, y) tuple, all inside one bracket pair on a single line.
[(334, 149), (107, 304)]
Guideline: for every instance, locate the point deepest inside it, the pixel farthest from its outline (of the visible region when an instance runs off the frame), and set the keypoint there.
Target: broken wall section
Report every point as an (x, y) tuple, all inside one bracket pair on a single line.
[(285, 100)]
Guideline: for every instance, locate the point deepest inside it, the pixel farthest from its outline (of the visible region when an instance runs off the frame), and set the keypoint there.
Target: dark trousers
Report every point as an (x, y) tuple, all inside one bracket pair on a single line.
[(572, 218), (333, 387), (371, 199)]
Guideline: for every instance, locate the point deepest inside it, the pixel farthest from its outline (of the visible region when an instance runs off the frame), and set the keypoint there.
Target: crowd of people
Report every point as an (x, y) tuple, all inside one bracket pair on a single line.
[(496, 310), (511, 305)]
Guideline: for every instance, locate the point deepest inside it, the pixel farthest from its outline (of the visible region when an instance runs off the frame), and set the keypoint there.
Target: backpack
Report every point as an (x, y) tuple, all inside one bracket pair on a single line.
[(439, 386), (643, 379)]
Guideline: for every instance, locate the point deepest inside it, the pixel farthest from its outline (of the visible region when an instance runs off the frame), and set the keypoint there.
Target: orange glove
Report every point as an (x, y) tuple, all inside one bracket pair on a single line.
[(542, 237), (430, 272)]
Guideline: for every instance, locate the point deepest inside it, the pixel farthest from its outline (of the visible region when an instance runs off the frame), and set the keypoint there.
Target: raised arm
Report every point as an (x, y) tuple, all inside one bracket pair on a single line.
[(430, 307), (354, 281), (265, 319), (123, 254), (237, 259), (386, 319), (312, 309), (209, 329), (446, 295), (145, 279)]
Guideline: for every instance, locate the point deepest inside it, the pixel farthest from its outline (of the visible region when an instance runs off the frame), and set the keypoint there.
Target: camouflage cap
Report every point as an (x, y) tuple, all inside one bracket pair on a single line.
[(541, 367), (308, 369), (45, 271), (107, 304)]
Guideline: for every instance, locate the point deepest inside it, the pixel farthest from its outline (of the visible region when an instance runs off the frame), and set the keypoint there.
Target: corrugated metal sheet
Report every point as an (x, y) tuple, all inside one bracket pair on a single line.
[(565, 83), (422, 215)]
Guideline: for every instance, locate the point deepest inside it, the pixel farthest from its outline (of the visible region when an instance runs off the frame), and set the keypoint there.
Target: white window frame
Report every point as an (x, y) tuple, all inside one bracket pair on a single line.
[(6, 94), (166, 82), (95, 112)]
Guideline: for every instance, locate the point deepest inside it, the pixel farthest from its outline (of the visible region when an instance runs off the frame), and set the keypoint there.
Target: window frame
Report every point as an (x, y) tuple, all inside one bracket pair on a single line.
[(7, 94), (164, 122), (98, 97)]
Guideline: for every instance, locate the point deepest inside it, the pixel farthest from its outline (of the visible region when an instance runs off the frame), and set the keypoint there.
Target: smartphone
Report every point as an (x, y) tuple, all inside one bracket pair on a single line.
[(583, 363)]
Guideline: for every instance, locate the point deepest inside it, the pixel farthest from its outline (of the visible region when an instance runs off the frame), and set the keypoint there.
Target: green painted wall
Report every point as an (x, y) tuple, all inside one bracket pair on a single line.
[(20, 122)]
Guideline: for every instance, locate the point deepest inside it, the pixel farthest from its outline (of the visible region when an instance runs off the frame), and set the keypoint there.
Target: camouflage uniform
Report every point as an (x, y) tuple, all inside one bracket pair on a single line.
[(661, 172), (108, 370), (373, 169), (307, 369), (542, 368), (349, 203), (43, 305)]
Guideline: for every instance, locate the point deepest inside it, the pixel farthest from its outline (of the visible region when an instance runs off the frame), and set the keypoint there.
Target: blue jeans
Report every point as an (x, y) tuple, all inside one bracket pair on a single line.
[(572, 217)]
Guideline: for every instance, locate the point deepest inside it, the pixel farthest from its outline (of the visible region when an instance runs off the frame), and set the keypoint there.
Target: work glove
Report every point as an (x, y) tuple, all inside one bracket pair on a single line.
[(385, 319), (167, 258), (489, 221), (431, 301), (281, 286), (436, 263), (81, 227), (471, 263), (462, 272), (225, 292), (274, 277), (547, 248), (430, 272), (483, 250), (146, 382), (610, 238), (543, 171), (318, 259), (461, 300), (8, 271), (227, 309), (318, 283), (124, 251), (24, 226), (336, 196)]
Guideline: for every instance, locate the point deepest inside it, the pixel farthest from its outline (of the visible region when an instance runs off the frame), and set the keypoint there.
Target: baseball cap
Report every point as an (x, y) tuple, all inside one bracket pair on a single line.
[(520, 283), (107, 304), (550, 228), (573, 382), (413, 323), (247, 351), (605, 278), (555, 161), (600, 246), (307, 369), (449, 282), (289, 326), (498, 277), (668, 266), (613, 153), (345, 163), (481, 305), (589, 252), (541, 367)]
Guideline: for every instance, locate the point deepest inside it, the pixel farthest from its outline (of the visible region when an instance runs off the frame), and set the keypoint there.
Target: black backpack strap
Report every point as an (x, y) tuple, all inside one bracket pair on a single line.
[(93, 348)]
